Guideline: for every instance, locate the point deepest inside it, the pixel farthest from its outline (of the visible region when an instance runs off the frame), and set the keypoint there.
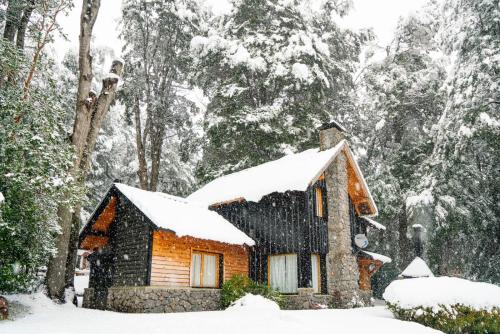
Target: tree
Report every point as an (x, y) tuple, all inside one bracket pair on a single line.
[(40, 19), (273, 73), (157, 35), (400, 100), (463, 170), (34, 160), (90, 112)]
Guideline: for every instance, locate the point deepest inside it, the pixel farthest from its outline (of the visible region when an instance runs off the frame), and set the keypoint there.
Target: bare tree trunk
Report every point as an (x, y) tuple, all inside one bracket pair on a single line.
[(99, 111), (23, 24), (405, 250), (156, 139), (55, 278), (73, 248), (90, 9), (141, 149), (13, 16)]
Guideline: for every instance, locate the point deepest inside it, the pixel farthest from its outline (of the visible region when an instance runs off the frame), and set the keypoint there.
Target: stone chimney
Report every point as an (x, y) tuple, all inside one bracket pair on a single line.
[(330, 134), (341, 264)]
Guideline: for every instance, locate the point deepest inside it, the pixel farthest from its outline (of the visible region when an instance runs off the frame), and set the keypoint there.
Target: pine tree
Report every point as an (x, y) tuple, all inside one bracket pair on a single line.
[(463, 170), (400, 99), (273, 72)]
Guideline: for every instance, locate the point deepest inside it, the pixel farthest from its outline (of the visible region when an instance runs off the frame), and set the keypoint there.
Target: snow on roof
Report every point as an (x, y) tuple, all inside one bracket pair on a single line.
[(293, 172), (417, 268), (183, 217), (379, 257), (436, 292), (374, 224)]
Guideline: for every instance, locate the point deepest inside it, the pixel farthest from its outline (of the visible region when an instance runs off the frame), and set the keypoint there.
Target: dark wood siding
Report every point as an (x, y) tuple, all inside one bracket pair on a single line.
[(131, 240), (283, 223)]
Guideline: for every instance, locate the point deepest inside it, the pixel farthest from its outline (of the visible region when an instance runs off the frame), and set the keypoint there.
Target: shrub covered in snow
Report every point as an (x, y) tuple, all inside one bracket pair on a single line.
[(238, 286), (452, 305), (254, 302)]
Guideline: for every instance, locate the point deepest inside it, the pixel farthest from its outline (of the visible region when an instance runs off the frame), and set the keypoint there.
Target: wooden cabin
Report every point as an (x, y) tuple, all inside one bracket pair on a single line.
[(292, 223), (141, 238), (284, 206)]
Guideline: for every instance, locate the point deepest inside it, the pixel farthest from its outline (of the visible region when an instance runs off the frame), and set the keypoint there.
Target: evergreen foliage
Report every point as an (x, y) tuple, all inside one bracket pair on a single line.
[(34, 158), (273, 72), (452, 319), (239, 285), (400, 99)]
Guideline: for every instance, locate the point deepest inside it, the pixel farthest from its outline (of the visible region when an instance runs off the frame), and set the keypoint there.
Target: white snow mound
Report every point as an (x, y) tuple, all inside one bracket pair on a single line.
[(417, 268), (435, 291), (253, 302)]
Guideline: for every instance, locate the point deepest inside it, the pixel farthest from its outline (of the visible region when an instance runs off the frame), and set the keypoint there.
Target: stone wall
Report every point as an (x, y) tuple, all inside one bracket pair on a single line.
[(157, 299), (305, 299)]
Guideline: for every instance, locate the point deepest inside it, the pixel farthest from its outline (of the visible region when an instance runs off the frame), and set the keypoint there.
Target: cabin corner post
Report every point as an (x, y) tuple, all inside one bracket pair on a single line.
[(341, 266)]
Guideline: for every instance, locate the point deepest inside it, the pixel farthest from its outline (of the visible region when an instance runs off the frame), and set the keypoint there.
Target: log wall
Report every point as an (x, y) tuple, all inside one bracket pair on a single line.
[(171, 258)]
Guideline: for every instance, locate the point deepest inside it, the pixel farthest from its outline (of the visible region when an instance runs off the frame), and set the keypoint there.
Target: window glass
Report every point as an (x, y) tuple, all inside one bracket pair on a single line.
[(196, 269), (315, 273), (209, 271), (319, 202), (204, 270), (283, 272)]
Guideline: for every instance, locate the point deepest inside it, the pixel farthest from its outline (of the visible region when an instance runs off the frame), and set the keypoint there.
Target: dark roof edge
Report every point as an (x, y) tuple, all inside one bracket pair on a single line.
[(332, 124)]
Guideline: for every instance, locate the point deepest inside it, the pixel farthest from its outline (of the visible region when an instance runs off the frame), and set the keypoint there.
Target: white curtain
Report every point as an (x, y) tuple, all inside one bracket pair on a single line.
[(196, 269), (283, 273), (315, 272), (209, 271)]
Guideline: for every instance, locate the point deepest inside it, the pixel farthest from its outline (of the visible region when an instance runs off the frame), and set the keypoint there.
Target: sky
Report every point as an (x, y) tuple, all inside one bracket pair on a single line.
[(381, 15)]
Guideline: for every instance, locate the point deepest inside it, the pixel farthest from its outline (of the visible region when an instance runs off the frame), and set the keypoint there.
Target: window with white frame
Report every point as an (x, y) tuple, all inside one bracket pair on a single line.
[(283, 272), (204, 270), (316, 273)]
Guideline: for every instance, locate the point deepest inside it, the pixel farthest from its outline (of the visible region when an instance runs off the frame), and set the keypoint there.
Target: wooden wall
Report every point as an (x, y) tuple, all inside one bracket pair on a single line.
[(171, 258), (283, 223), (131, 233)]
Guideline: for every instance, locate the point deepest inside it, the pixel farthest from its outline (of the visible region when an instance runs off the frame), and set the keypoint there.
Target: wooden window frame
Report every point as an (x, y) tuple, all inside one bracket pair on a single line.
[(318, 197), (318, 259), (217, 268)]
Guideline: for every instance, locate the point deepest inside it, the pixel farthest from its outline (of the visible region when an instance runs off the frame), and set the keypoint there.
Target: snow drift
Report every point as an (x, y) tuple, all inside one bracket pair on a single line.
[(435, 292)]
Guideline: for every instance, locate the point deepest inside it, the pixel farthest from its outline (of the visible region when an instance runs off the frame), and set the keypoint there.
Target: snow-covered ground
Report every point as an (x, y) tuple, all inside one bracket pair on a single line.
[(46, 317)]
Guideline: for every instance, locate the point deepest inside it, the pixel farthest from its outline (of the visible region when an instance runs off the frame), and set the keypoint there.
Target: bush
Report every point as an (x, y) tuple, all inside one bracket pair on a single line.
[(239, 285), (452, 318)]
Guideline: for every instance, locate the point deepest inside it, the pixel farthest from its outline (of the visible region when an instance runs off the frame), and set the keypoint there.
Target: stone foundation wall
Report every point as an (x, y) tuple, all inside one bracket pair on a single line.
[(305, 299), (95, 299), (156, 299)]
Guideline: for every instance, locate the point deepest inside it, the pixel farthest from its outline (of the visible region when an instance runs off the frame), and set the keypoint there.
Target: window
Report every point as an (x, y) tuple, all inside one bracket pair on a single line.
[(319, 202), (315, 273), (204, 270), (282, 273)]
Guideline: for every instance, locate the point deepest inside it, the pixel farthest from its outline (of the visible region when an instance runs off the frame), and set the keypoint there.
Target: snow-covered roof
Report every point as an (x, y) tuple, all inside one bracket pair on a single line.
[(293, 172), (183, 217), (374, 224), (417, 268), (378, 257)]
